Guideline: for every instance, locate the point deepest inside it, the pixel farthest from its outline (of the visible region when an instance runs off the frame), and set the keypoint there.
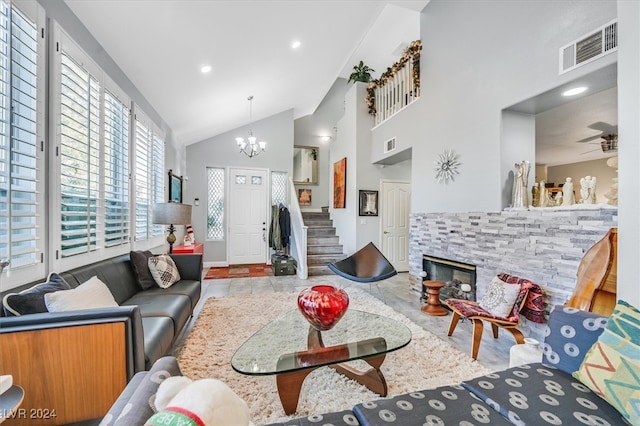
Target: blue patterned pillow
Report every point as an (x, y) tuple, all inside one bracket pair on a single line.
[(570, 334)]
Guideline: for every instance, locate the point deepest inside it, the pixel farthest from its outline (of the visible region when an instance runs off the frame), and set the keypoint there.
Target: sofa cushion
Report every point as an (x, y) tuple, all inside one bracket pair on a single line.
[(500, 298), (140, 265), (569, 335), (158, 337), (446, 405), (163, 270), (31, 300), (135, 403), (91, 294), (536, 394), (188, 288), (611, 368), (341, 418), (177, 307)]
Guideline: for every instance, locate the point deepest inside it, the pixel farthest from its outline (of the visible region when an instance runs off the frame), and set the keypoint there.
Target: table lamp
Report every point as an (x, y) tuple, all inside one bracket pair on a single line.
[(171, 214)]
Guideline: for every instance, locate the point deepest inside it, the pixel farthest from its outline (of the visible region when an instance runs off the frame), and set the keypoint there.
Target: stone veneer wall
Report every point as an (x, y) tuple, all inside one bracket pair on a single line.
[(544, 245)]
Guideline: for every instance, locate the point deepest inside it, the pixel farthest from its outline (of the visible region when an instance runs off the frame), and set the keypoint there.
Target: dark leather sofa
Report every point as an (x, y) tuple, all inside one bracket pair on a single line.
[(78, 362)]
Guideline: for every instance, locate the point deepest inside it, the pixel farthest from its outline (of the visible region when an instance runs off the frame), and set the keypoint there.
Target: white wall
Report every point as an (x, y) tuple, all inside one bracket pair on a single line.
[(629, 153), (598, 168), (478, 58), (518, 143), (222, 151), (308, 131)]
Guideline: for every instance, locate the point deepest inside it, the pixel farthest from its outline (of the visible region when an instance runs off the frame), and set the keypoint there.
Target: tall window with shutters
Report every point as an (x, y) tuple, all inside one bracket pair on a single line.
[(21, 140), (79, 157), (149, 176)]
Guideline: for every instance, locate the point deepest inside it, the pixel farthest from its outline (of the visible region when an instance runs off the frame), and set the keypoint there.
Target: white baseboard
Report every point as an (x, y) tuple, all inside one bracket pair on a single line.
[(215, 264)]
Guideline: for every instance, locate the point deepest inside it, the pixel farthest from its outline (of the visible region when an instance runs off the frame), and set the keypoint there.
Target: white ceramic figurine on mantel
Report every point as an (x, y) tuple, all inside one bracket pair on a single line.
[(568, 197), (520, 196)]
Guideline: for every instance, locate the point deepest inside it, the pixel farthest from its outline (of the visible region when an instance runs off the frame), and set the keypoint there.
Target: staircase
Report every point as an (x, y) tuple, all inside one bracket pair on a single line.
[(322, 243)]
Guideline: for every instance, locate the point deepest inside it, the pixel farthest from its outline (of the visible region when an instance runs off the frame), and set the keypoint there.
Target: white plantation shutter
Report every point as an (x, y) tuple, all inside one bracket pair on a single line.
[(158, 177), (79, 158), (143, 161), (149, 180), (21, 156), (116, 170)]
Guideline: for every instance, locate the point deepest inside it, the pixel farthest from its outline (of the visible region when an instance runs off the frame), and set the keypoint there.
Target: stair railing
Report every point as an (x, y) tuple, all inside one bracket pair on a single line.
[(298, 233)]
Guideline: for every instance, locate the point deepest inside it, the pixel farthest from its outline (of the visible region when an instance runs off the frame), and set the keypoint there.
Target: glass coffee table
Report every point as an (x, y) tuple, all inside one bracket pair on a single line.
[(290, 349)]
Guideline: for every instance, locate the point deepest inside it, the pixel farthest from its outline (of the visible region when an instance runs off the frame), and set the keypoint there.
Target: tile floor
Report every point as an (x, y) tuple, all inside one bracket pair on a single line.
[(395, 292)]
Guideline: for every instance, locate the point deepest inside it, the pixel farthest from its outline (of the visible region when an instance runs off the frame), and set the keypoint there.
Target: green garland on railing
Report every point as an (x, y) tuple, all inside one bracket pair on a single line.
[(412, 53)]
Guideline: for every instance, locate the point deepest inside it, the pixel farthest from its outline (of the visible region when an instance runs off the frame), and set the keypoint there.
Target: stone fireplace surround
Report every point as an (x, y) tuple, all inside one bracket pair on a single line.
[(544, 245)]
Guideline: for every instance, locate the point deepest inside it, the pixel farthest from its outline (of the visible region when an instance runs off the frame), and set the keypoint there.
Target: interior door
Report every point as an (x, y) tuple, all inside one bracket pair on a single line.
[(396, 205), (248, 210)]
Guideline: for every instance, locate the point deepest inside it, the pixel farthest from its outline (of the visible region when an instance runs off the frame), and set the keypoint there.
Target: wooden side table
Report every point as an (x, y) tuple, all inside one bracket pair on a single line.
[(433, 306), (193, 248)]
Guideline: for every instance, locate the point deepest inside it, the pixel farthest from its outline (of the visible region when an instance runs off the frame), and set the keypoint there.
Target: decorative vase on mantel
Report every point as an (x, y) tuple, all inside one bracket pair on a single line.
[(323, 305)]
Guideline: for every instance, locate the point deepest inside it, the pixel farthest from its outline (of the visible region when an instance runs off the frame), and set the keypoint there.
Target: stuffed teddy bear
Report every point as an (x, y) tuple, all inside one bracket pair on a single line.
[(181, 401)]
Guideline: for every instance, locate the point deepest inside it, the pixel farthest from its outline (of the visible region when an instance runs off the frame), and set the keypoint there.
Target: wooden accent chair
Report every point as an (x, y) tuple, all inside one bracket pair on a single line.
[(596, 285), (473, 311)]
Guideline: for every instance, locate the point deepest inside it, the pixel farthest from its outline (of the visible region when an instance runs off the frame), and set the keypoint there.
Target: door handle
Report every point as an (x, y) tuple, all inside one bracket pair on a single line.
[(385, 232)]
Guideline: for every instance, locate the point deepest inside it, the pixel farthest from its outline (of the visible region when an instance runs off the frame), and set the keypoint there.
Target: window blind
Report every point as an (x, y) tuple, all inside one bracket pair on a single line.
[(143, 161), (116, 171), (79, 158), (20, 164)]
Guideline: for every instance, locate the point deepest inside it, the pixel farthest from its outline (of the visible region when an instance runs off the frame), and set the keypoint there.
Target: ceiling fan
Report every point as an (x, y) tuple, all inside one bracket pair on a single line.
[(609, 137)]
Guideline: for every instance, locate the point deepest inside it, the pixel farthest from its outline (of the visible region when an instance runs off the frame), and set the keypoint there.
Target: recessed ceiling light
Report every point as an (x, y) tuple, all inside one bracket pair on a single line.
[(296, 44), (206, 69), (574, 91)]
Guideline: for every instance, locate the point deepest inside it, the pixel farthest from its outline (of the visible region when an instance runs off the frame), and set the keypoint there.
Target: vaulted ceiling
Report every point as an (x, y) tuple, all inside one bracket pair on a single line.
[(162, 46)]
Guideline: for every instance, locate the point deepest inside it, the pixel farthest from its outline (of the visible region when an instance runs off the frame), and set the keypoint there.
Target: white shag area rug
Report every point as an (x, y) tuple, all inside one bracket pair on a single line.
[(225, 323)]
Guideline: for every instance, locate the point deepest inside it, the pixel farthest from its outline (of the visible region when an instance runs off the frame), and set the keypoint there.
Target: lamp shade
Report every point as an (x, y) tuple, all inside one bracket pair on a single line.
[(172, 214)]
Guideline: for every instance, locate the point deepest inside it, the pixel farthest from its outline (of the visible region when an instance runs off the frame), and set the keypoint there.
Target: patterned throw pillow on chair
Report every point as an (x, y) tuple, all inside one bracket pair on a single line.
[(500, 297), (164, 270)]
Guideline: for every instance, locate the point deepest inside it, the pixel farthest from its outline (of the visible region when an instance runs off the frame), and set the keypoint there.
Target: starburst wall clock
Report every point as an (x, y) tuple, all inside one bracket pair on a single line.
[(446, 166)]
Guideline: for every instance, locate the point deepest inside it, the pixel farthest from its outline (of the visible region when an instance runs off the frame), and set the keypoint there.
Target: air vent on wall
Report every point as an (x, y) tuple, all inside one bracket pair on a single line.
[(390, 145), (601, 42)]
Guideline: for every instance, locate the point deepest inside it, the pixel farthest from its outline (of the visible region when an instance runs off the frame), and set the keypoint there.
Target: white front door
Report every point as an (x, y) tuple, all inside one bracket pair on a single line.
[(248, 210), (396, 205)]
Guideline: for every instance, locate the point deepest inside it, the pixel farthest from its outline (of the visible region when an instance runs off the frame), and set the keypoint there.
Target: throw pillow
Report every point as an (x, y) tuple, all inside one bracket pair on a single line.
[(611, 368), (164, 270), (569, 336), (500, 298), (140, 265), (31, 301), (88, 295)]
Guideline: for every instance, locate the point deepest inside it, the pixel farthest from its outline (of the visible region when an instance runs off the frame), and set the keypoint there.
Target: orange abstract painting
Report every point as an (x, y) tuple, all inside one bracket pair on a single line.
[(339, 183)]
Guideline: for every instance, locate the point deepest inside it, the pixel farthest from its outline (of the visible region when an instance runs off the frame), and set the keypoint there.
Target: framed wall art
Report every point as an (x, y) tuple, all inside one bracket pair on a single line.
[(304, 197), (367, 203), (340, 183), (175, 188)]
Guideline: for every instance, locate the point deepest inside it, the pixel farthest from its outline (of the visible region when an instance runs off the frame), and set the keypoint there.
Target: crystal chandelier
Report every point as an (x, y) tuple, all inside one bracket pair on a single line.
[(252, 147)]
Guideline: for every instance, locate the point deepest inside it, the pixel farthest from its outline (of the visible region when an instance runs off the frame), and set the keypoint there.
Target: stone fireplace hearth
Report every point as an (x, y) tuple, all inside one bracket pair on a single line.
[(544, 245)]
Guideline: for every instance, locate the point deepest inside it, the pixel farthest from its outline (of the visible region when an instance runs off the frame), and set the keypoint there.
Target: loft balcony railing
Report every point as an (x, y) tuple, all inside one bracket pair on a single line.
[(398, 87)]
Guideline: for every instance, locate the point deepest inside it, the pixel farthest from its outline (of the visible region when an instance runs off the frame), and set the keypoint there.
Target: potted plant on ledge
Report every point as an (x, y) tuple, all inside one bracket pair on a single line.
[(361, 72)]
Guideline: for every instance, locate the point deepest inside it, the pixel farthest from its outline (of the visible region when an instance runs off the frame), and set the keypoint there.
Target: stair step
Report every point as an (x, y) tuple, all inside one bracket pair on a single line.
[(324, 249), (319, 270), (318, 222), (321, 231), (316, 215), (323, 259), (322, 240)]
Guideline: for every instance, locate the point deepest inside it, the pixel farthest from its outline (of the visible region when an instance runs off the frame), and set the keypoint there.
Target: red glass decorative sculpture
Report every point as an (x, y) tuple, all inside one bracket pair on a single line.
[(323, 305)]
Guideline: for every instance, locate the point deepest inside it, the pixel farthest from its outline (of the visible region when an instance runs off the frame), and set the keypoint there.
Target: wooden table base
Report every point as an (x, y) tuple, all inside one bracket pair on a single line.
[(290, 384)]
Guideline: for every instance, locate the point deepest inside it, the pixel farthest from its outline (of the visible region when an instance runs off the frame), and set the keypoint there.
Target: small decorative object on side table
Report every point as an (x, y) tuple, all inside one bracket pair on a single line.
[(433, 306)]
